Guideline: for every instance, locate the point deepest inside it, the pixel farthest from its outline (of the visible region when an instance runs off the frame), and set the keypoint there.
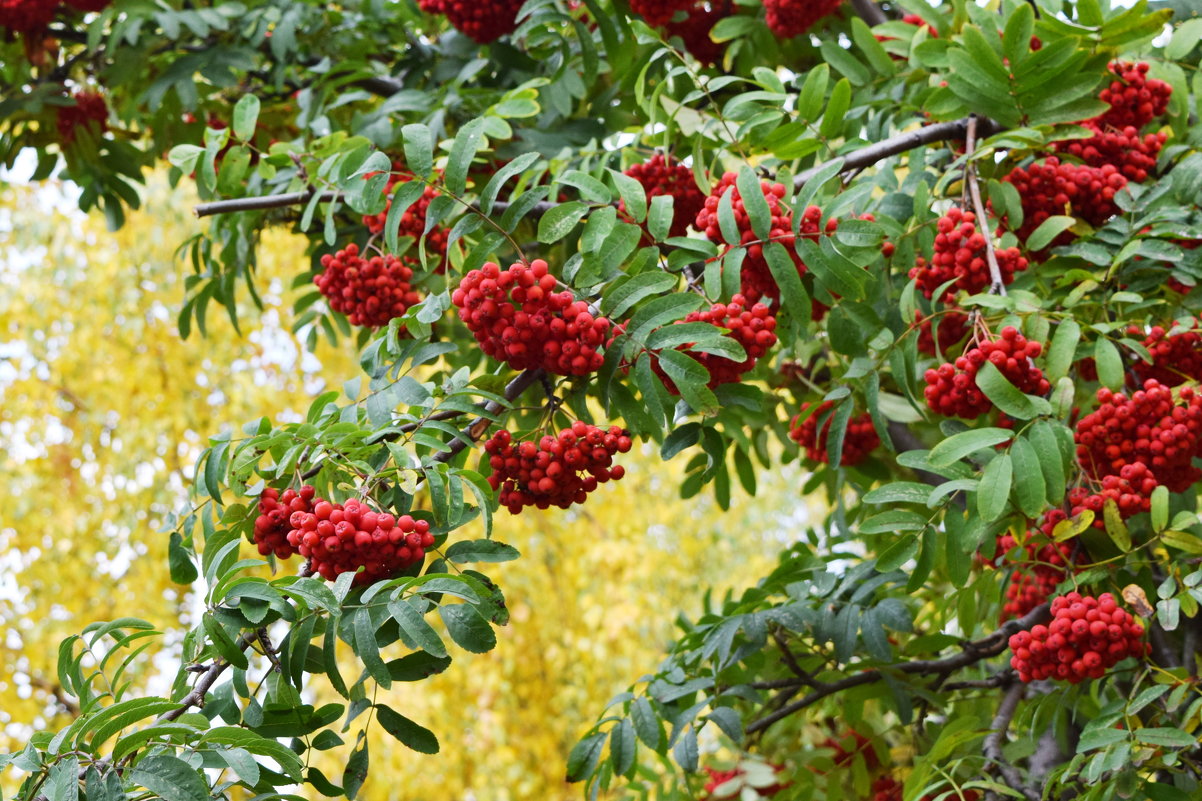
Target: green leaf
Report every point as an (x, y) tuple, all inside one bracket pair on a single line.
[(585, 755), (463, 150), (754, 202), (1182, 541), (659, 312), (1028, 478), (1100, 738), (622, 747), (1062, 349), (560, 220), (419, 149), (1008, 397), (414, 624), (1109, 362), (468, 628), (225, 646), (685, 751), (634, 197), (1115, 526), (466, 551), (994, 491), (179, 560), (1184, 40), (835, 115), (1167, 737), (246, 116), (169, 777), (784, 272), (1160, 508), (367, 649), (1048, 230), (646, 724), (355, 773), (659, 218), (956, 447), (408, 733), (690, 378), (417, 666)]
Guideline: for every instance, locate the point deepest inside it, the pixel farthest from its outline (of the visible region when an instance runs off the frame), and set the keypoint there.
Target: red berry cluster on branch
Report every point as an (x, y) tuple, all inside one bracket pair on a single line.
[(1133, 155), (413, 221), (1131, 491), (694, 30), (90, 112), (1175, 359), (952, 389), (518, 318), (370, 292), (658, 12), (737, 790), (555, 471), (1054, 188), (275, 511), (960, 255), (859, 440), (1044, 566), (1087, 636), (338, 538), (660, 176), (1135, 100), (27, 16), (753, 328), (789, 18), (482, 20), (1151, 427), (953, 328)]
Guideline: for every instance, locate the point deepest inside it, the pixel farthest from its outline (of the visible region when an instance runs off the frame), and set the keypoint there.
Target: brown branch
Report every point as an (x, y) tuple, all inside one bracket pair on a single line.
[(997, 285), (475, 429), (929, 134), (260, 202), (973, 653), (997, 737), (205, 683), (869, 11)]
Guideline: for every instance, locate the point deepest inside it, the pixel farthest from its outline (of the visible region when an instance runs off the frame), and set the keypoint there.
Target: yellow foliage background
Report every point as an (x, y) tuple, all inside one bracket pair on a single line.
[(103, 411)]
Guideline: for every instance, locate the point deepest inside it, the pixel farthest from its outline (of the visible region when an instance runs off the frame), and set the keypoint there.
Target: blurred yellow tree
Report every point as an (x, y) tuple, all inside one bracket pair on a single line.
[(103, 410)]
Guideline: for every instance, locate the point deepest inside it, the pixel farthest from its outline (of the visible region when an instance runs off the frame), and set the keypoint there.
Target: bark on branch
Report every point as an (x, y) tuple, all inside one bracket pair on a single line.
[(997, 738), (973, 653)]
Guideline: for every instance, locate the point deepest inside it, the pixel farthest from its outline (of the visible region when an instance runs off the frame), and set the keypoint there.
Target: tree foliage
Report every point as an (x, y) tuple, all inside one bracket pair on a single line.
[(973, 232)]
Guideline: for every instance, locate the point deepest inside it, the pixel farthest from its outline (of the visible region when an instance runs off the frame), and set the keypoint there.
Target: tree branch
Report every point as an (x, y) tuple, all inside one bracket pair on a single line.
[(475, 429), (997, 737), (260, 202), (929, 134), (205, 683), (973, 652), (997, 284), (869, 11)]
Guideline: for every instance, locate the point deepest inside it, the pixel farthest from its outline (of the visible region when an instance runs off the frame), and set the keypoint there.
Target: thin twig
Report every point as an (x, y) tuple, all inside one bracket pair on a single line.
[(475, 429), (973, 652), (997, 285), (997, 737), (869, 11)]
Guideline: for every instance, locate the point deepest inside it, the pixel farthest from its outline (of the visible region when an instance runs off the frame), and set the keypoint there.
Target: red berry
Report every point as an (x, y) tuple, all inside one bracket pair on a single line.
[(789, 18), (952, 390), (89, 111), (413, 221), (659, 176), (556, 471), (860, 437), (960, 256), (482, 20), (1069, 651)]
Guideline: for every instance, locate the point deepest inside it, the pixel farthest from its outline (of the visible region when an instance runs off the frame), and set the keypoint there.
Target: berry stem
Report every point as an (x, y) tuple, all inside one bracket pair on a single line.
[(997, 286)]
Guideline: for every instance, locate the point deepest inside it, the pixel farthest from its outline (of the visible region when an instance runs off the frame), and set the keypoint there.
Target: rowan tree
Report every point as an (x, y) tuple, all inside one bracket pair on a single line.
[(945, 254)]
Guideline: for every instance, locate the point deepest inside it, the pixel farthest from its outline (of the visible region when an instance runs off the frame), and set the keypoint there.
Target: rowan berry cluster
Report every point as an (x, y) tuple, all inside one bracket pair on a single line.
[(694, 30), (518, 318), (658, 12), (1151, 428), (859, 440), (1176, 358), (725, 784), (1053, 188), (1135, 100), (370, 292), (275, 510), (952, 389), (413, 221), (1044, 566), (789, 18), (1087, 636), (1131, 492), (1133, 155), (953, 328), (32, 16), (555, 471), (959, 255), (753, 328), (482, 20), (341, 538), (89, 111), (887, 788), (660, 176)]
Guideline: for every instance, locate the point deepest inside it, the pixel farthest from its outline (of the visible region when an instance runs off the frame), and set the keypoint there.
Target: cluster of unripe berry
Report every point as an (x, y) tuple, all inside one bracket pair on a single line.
[(661, 176), (482, 20), (32, 16), (859, 440), (89, 112), (959, 255), (752, 327), (1175, 359), (339, 538), (789, 18), (557, 470), (413, 221), (1150, 427), (370, 292), (518, 318), (1087, 636), (952, 388)]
